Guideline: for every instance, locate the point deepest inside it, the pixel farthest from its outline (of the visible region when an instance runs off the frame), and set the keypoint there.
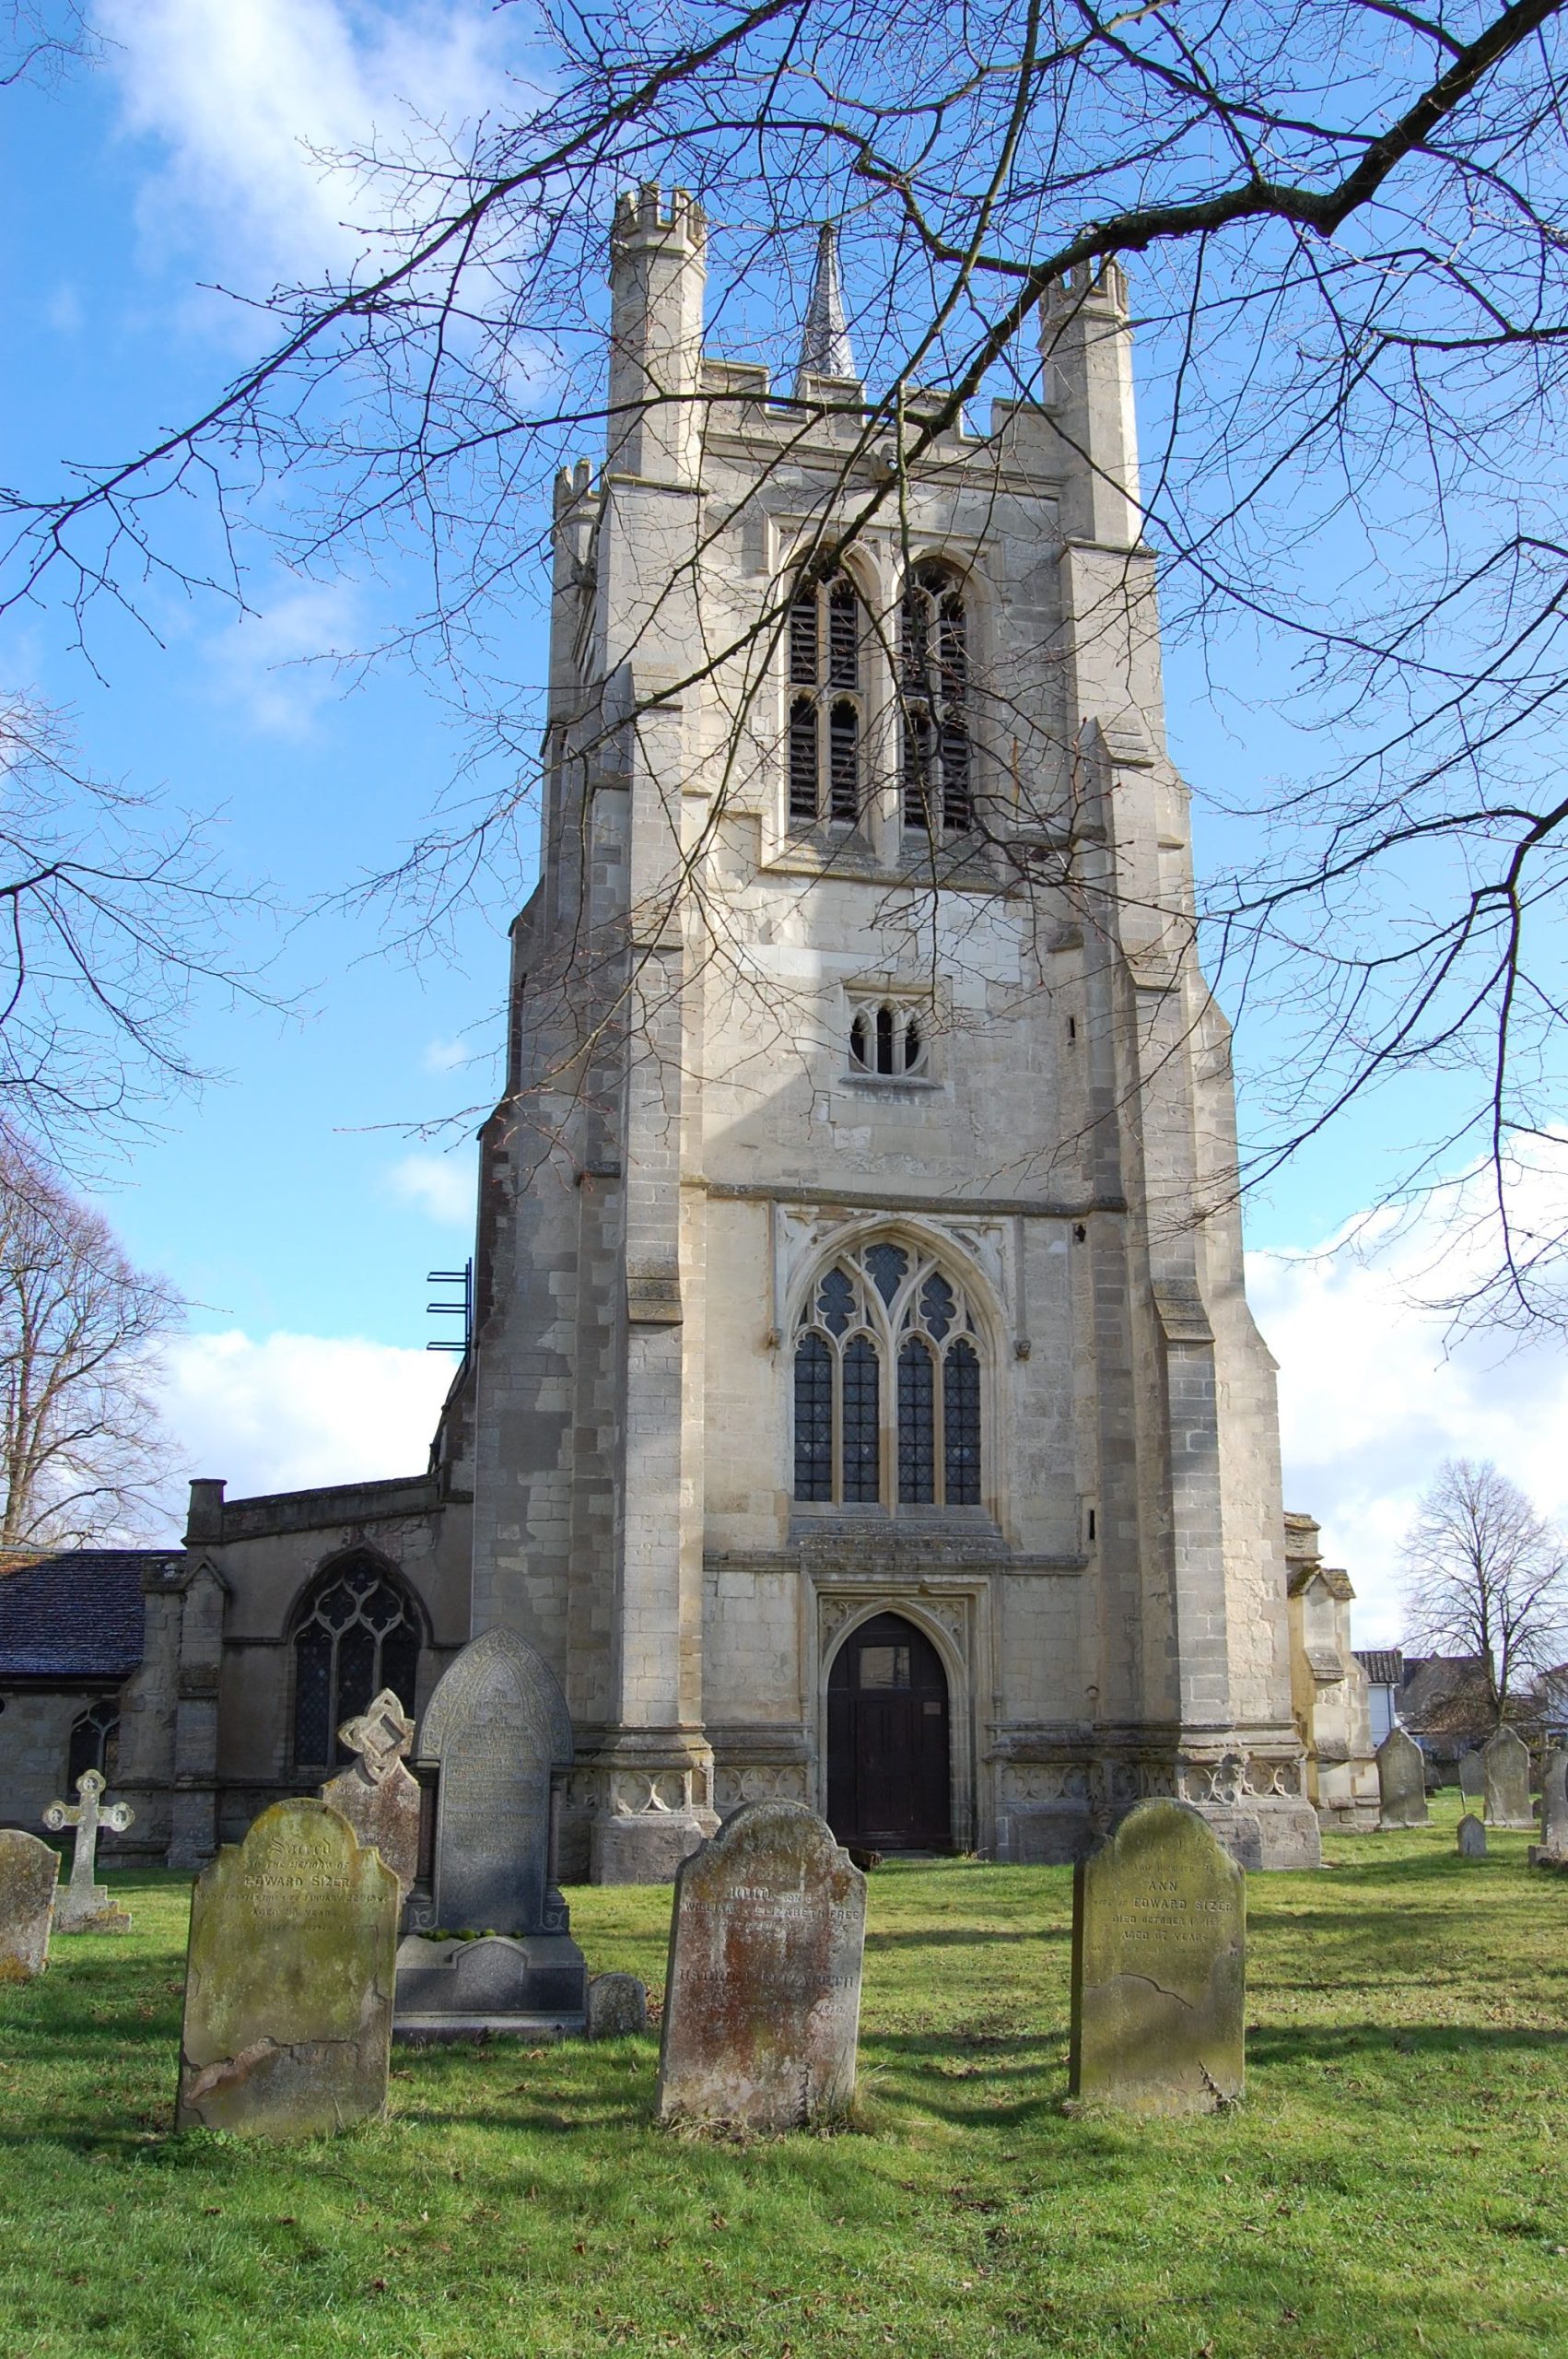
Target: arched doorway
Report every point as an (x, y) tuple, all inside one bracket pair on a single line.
[(888, 1776)]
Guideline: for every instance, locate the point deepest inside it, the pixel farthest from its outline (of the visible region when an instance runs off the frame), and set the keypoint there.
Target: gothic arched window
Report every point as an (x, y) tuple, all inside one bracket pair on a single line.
[(933, 663), (94, 1739), (887, 1384), (825, 626), (355, 1634)]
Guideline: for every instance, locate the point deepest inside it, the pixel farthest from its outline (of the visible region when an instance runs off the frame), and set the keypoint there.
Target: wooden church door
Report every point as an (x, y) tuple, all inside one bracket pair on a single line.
[(888, 1785)]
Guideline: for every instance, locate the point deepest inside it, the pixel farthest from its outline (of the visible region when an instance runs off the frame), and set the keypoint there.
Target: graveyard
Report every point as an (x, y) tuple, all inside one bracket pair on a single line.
[(1393, 2181)]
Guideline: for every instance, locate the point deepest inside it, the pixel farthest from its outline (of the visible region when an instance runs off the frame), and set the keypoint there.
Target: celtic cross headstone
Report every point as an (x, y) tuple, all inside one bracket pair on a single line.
[(84, 1906), (377, 1796)]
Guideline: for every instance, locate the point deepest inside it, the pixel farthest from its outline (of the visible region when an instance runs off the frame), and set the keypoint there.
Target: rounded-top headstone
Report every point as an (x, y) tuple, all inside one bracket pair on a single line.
[(617, 2005), (1401, 1780), (497, 1726), (762, 2005), (1471, 1837), (27, 1872), (1507, 1759)]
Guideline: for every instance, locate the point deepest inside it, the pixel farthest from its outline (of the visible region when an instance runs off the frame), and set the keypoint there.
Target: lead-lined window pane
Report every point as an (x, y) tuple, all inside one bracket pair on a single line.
[(862, 1437), (961, 1427), (917, 1426), (814, 1419)]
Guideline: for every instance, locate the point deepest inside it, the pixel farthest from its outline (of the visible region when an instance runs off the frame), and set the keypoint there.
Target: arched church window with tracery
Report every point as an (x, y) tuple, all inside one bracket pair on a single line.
[(934, 690), (887, 1384), (355, 1632), (825, 713)]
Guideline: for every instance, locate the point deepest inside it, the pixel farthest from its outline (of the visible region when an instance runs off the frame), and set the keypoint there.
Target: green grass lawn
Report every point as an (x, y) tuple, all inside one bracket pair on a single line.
[(1394, 2182)]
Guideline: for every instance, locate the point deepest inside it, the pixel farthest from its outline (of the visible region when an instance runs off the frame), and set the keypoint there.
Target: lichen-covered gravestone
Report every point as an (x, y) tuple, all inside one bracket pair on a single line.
[(27, 1872), (288, 1980), (1507, 1759), (1158, 1967), (762, 2005), (1473, 1837), (1552, 1848), (377, 1796), (1401, 1780), (84, 1906)]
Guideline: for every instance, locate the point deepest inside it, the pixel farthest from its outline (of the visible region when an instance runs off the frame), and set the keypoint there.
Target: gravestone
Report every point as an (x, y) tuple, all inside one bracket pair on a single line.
[(376, 1795), (1158, 1967), (84, 1906), (762, 2005), (1473, 1837), (1401, 1781), (1507, 1759), (1473, 1775), (617, 2004), (288, 1980), (1552, 1848), (495, 1732), (27, 1872)]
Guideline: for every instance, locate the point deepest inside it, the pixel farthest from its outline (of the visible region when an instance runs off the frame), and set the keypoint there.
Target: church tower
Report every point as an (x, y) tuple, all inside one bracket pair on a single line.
[(866, 1408)]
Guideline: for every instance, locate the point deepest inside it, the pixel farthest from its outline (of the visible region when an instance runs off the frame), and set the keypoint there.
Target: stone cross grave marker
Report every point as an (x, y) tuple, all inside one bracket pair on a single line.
[(1553, 1845), (84, 1906), (1472, 1774), (288, 1980), (1473, 1837), (1507, 1759), (27, 1872), (1158, 1967), (376, 1794), (762, 2006), (1401, 1780)]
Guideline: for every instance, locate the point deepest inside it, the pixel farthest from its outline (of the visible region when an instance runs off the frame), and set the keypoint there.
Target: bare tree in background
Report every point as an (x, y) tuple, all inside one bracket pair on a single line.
[(1485, 1578), (83, 1456), (1353, 224)]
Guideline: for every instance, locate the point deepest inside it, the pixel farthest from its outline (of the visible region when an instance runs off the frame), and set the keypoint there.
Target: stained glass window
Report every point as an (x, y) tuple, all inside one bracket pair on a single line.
[(862, 1423), (961, 1424), (814, 1419), (866, 1399), (356, 1634)]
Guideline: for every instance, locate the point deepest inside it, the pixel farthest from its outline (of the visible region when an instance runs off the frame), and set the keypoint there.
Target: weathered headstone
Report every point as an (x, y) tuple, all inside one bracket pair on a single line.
[(1473, 1775), (85, 1907), (1552, 1848), (27, 1872), (617, 2004), (1401, 1780), (288, 1980), (495, 1732), (762, 2005), (1507, 1759), (1158, 1967), (376, 1795), (1473, 1837)]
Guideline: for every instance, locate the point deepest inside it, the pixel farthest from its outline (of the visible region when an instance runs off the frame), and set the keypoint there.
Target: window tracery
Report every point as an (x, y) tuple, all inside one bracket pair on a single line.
[(825, 716), (937, 785), (890, 1038), (887, 1383), (355, 1634)]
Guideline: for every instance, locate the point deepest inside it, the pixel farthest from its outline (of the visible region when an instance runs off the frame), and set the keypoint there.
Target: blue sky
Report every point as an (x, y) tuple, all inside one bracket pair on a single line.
[(290, 1203)]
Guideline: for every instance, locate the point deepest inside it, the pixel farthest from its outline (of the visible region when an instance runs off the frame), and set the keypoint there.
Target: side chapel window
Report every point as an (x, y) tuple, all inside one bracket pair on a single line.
[(825, 626), (95, 1738), (887, 1385), (937, 786), (355, 1634)]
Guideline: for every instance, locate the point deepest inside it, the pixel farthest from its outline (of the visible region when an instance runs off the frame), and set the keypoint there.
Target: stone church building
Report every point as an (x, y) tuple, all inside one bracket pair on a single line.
[(862, 1401)]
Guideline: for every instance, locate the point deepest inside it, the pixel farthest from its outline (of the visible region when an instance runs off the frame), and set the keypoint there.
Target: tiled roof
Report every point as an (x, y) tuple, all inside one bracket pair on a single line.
[(1384, 1666), (77, 1615)]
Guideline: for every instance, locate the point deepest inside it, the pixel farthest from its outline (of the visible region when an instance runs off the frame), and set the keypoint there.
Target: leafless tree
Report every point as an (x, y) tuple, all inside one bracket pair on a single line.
[(1351, 221), (1485, 1578), (83, 1456)]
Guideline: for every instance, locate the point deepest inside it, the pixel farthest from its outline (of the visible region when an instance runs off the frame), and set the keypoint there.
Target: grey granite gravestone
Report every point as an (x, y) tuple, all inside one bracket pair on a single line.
[(377, 1796), (762, 2005), (288, 1980), (1507, 1759), (29, 1871), (495, 1732), (617, 2004), (1401, 1781), (1158, 1967), (1473, 1775), (84, 1906), (1552, 1848), (1473, 1837)]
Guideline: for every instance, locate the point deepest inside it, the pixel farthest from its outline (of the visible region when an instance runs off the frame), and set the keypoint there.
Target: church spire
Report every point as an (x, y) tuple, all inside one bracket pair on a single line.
[(825, 340)]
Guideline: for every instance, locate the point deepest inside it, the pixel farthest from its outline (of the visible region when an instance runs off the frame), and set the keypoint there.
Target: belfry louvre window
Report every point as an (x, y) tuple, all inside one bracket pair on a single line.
[(887, 1384), (354, 1634), (825, 734), (933, 664), (890, 1038)]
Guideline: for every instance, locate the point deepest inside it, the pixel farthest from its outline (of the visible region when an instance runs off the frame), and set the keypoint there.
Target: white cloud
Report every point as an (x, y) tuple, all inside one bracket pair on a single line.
[(278, 665), (285, 1411), (1375, 1393), (239, 93), (441, 1185), (445, 1056)]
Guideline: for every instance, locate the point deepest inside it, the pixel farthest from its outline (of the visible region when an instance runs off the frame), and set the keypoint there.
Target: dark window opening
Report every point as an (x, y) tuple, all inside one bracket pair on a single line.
[(961, 1425), (814, 1419), (356, 1635), (804, 804), (917, 1425), (95, 1743), (884, 1040), (803, 639), (862, 1423), (844, 762)]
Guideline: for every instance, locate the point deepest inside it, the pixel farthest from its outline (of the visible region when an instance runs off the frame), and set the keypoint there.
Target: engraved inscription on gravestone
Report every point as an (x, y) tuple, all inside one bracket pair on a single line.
[(288, 1980), (1507, 1759), (84, 1906), (28, 1873), (377, 1796), (1471, 1837), (1158, 1967), (1401, 1780), (762, 2006)]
